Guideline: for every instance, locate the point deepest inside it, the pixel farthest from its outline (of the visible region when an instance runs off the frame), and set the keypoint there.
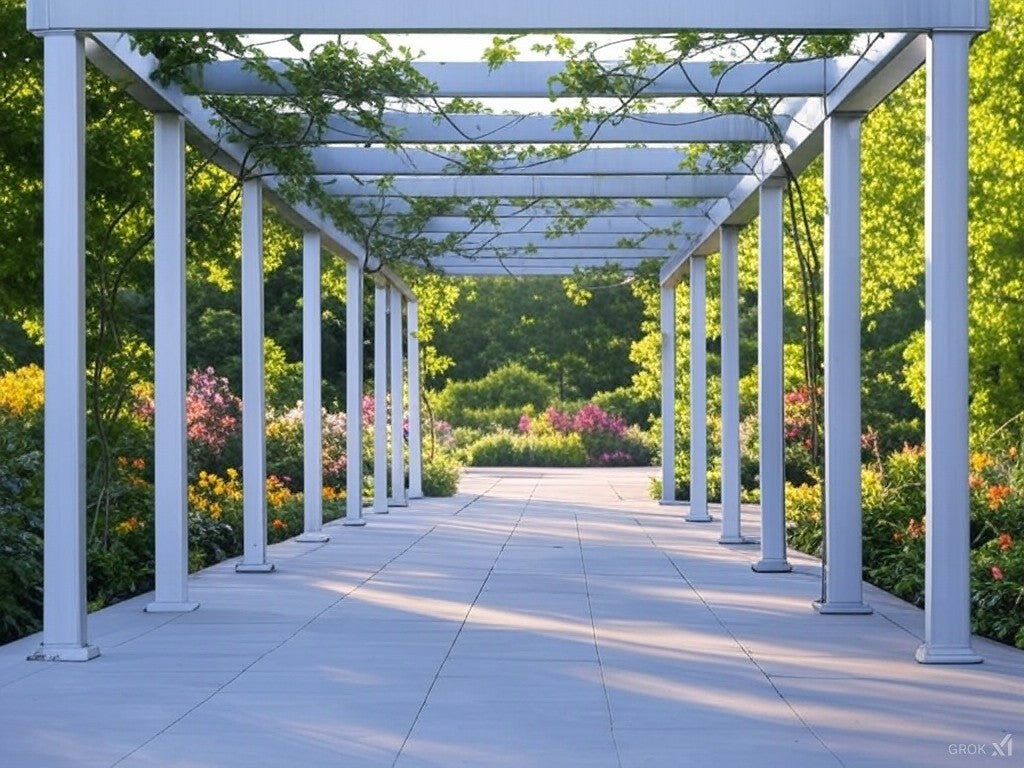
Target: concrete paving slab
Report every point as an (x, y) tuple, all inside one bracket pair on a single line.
[(549, 618)]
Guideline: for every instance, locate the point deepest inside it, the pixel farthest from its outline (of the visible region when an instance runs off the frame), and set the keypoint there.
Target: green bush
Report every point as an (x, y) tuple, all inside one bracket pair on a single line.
[(626, 403), (440, 475), (498, 399), (507, 449), (21, 534), (997, 589)]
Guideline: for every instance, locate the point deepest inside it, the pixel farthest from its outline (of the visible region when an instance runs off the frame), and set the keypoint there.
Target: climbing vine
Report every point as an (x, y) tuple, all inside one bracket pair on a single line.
[(602, 82)]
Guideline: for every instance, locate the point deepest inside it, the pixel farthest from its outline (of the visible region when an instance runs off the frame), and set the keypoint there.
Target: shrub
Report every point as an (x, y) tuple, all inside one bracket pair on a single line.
[(440, 475), (285, 447), (628, 405), (803, 517), (507, 449), (997, 580), (606, 439), (497, 399), (21, 533)]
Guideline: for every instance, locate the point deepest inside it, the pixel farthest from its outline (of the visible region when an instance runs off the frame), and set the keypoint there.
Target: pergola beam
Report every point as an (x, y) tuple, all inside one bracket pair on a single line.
[(550, 254), (628, 225), (526, 16), (649, 128), (571, 241), (538, 187), (513, 266), (628, 208), (534, 79), (639, 161)]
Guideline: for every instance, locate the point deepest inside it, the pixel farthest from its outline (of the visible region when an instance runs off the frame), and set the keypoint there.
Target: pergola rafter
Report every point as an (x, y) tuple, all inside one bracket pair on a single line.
[(538, 79), (529, 214), (649, 128)]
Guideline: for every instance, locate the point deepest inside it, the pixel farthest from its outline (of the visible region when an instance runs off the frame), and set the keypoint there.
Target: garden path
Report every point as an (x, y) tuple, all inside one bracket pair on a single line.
[(549, 618)]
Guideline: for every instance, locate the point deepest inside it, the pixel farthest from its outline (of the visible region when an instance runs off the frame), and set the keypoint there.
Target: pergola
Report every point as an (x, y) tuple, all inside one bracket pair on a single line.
[(635, 164)]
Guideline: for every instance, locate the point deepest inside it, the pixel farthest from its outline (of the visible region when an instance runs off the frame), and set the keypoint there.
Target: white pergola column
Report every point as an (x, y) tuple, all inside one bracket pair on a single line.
[(380, 398), (769, 380), (64, 623), (171, 431), (668, 394), (698, 392), (729, 290), (947, 638), (415, 414), (354, 393), (843, 578), (397, 380), (254, 443), (312, 416)]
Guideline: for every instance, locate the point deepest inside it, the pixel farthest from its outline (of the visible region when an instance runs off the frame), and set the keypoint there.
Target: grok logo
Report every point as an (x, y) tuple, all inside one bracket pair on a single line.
[(1002, 748)]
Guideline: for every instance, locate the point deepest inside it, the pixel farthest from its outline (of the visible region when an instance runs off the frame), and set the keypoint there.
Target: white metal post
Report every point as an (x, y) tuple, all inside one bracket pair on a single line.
[(395, 367), (668, 394), (312, 417), (171, 431), (947, 638), (354, 393), (254, 444), (698, 392), (64, 623), (769, 379), (380, 401), (731, 530), (415, 413), (843, 588)]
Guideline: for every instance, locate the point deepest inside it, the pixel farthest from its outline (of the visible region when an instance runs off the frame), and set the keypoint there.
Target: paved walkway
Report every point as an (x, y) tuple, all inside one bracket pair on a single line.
[(549, 618)]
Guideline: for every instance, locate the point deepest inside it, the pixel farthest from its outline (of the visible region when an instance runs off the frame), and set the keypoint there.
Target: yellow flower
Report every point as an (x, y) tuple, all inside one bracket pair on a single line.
[(981, 461), (127, 526), (21, 390)]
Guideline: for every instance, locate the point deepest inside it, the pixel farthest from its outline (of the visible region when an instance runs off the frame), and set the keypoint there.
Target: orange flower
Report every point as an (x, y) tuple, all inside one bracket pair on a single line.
[(915, 530), (1005, 541), (975, 482), (997, 495), (279, 524), (897, 536), (139, 464), (997, 573)]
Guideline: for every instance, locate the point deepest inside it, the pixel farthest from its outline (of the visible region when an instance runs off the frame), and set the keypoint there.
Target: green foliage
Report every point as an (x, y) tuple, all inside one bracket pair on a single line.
[(576, 333), (623, 402), (508, 449), (21, 533), (497, 399), (997, 589), (440, 475)]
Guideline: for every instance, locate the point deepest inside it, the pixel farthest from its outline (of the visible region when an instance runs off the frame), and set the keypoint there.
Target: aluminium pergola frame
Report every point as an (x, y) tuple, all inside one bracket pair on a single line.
[(820, 105)]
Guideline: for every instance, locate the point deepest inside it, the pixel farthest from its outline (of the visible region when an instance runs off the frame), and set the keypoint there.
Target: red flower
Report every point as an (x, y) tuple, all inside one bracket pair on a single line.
[(1005, 541), (997, 573)]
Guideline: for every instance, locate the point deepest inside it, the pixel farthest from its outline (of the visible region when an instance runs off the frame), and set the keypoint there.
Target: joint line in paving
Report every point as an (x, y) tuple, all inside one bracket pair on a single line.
[(263, 655), (469, 610), (597, 646), (743, 649)]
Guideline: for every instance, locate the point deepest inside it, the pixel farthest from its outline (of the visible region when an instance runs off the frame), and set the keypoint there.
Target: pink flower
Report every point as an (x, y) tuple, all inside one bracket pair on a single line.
[(997, 573)]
